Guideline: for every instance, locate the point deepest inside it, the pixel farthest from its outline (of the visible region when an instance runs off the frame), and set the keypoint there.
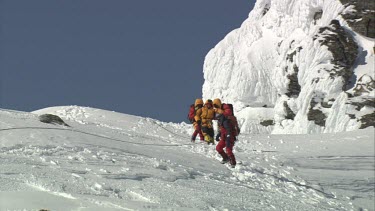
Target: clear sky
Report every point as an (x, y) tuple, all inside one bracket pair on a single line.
[(131, 56)]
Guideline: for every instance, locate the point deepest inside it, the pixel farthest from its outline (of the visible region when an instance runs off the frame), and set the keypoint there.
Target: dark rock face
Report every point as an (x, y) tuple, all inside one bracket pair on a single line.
[(368, 120), (265, 9), (293, 87), (290, 56), (361, 97), (351, 116), (359, 105), (364, 85), (267, 123), (328, 104), (52, 119), (362, 17), (289, 113), (343, 48), (316, 115)]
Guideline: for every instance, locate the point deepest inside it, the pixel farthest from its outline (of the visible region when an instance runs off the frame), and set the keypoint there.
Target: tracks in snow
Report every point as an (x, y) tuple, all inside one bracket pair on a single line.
[(93, 166)]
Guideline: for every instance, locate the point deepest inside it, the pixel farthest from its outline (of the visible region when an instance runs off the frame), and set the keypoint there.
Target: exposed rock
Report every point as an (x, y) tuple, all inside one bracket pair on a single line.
[(289, 113), (316, 115), (351, 116), (327, 104), (235, 67), (265, 10), (293, 87), (343, 48), (315, 80), (359, 105), (360, 15), (267, 123), (290, 56), (364, 85), (52, 119), (368, 120)]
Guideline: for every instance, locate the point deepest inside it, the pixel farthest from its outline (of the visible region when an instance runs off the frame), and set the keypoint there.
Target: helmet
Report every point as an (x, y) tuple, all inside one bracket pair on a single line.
[(217, 103), (198, 102)]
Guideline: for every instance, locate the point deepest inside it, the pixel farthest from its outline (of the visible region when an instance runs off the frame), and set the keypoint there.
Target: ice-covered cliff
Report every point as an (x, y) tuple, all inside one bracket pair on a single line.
[(297, 66)]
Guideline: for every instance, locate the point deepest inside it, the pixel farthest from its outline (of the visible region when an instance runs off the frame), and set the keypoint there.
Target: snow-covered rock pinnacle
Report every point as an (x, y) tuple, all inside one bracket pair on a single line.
[(297, 66)]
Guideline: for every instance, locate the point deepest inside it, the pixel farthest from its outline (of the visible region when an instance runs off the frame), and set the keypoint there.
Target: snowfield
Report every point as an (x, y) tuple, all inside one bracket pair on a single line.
[(112, 161)]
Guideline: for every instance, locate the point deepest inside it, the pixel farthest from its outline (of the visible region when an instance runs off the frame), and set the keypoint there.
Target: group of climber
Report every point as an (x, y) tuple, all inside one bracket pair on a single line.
[(202, 116)]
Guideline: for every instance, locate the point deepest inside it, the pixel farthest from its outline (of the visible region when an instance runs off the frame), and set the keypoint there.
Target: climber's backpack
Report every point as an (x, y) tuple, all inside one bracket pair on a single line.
[(234, 125), (191, 113), (231, 108), (233, 121)]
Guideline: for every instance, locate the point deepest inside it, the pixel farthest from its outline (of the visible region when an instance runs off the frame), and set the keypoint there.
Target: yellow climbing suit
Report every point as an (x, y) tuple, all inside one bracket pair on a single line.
[(198, 109), (205, 116)]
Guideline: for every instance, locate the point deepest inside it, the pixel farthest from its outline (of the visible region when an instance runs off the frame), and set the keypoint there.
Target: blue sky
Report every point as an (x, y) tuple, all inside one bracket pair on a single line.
[(131, 56)]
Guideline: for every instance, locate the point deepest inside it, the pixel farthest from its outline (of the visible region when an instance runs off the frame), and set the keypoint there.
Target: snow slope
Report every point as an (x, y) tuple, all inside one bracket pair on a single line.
[(287, 56), (112, 161)]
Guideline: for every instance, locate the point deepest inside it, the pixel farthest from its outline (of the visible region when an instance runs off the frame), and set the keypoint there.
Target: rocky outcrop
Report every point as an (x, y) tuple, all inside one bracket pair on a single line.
[(289, 114), (315, 114), (294, 88), (343, 48), (360, 15), (327, 104), (52, 119), (368, 120), (265, 9), (290, 56), (364, 85), (301, 58), (360, 103), (267, 123)]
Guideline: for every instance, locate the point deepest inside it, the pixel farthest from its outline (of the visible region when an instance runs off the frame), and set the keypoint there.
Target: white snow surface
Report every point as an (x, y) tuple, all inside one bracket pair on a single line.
[(111, 161), (249, 67)]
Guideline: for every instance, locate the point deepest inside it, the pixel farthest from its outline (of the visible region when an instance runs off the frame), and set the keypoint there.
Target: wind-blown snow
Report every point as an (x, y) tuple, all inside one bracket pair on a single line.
[(112, 161), (250, 66)]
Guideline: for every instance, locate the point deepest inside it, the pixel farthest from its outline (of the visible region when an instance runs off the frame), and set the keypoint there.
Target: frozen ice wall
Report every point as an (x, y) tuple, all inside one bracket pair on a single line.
[(300, 63)]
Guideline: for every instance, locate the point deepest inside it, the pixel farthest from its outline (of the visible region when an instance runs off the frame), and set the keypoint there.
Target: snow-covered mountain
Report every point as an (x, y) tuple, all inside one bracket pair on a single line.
[(297, 66), (110, 161)]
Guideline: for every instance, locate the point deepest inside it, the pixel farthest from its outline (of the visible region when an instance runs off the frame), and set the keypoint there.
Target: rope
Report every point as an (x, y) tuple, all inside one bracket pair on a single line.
[(91, 134), (158, 124)]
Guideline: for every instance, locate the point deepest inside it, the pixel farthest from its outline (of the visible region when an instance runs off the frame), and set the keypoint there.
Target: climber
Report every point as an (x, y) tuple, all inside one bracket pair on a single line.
[(227, 137), (197, 107), (206, 115), (218, 107), (218, 110)]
